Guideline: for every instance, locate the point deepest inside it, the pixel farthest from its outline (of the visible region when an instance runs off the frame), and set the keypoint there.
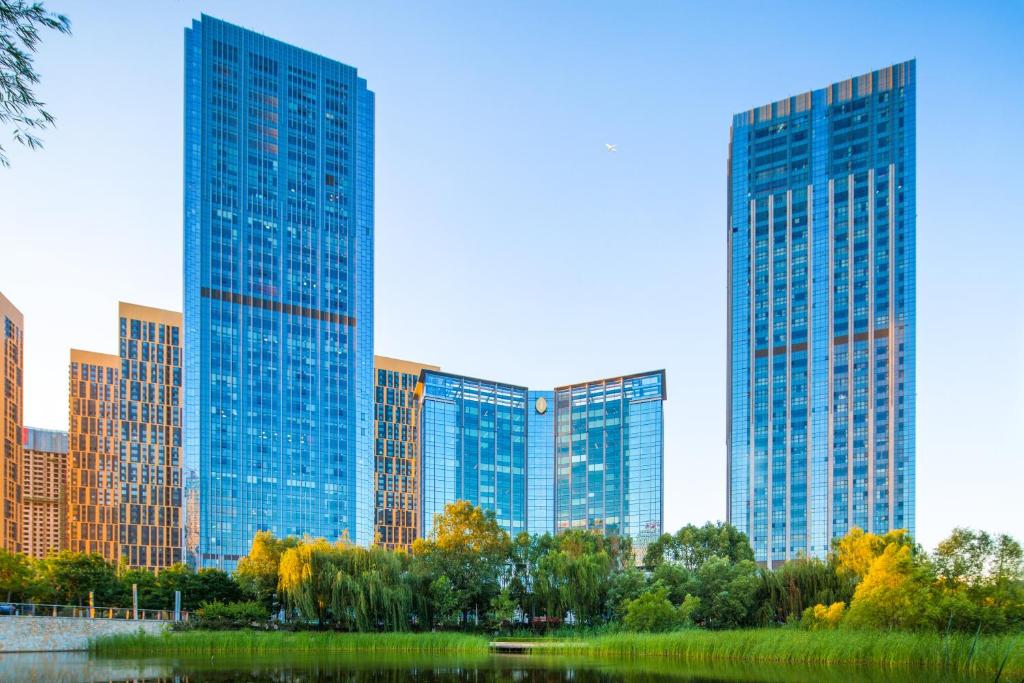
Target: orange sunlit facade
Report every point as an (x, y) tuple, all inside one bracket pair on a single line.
[(93, 454), (12, 402), (150, 444), (396, 490), (46, 470)]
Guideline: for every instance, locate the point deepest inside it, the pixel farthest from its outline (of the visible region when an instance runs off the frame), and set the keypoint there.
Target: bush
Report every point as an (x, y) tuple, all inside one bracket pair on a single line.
[(653, 611), (820, 617), (232, 615)]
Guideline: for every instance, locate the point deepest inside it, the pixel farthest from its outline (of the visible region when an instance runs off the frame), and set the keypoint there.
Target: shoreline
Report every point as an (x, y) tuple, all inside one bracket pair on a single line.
[(957, 653)]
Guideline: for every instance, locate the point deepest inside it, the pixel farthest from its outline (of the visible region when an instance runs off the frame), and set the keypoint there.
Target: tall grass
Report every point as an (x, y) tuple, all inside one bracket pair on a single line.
[(960, 653), (258, 642)]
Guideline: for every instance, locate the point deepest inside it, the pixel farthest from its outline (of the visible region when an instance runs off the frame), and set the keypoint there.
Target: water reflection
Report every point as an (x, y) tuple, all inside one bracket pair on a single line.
[(67, 667)]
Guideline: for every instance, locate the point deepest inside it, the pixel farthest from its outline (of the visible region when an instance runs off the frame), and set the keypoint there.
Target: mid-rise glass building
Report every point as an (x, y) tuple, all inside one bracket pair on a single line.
[(472, 447), (584, 456), (609, 457), (821, 233), (278, 291)]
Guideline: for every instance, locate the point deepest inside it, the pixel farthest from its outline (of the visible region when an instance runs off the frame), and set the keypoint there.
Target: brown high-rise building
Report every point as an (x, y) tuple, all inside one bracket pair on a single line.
[(396, 452), (12, 403), (93, 454), (46, 469), (151, 405)]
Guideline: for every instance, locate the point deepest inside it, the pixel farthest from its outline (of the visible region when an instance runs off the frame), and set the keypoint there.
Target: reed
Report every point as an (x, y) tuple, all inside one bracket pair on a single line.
[(961, 653), (260, 642), (950, 652)]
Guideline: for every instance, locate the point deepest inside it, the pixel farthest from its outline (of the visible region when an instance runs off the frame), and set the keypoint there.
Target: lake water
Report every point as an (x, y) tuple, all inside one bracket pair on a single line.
[(68, 667)]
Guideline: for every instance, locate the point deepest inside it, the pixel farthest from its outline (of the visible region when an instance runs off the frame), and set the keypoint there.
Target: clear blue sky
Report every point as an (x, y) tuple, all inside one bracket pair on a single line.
[(511, 246)]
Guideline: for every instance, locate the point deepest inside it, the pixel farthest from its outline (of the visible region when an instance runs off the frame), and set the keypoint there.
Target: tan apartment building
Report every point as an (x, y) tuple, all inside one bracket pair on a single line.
[(46, 470), (396, 452), (12, 370), (93, 489)]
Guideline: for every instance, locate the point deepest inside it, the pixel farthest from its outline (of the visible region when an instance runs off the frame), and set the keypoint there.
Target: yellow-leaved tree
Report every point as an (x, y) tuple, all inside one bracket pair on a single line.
[(897, 592)]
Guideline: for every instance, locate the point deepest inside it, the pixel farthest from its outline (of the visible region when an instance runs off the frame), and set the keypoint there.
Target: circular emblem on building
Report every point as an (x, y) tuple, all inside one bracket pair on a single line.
[(541, 405)]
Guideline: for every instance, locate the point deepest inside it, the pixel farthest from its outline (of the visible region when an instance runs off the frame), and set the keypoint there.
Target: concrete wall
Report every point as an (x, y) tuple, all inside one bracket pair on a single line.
[(54, 634)]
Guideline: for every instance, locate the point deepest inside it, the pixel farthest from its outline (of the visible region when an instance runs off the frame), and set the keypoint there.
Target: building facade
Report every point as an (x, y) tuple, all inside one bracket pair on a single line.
[(278, 291), (46, 471), (12, 371), (609, 457), (472, 447), (583, 456), (540, 463), (821, 415), (396, 451), (94, 462), (150, 448)]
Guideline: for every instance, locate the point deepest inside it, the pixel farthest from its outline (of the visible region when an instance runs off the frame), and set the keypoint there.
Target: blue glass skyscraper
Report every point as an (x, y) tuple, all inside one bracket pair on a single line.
[(821, 233), (278, 288)]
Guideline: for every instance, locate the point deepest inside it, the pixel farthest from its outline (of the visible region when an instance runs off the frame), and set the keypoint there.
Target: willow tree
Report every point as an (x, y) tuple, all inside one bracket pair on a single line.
[(21, 26), (575, 574), (345, 586), (307, 574)]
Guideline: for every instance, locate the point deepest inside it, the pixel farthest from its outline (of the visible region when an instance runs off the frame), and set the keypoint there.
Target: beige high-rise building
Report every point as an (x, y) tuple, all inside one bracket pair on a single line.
[(93, 492), (12, 366), (151, 446), (46, 471), (396, 449)]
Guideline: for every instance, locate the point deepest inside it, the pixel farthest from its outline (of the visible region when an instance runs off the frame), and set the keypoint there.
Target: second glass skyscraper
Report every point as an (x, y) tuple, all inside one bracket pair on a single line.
[(278, 294), (822, 315)]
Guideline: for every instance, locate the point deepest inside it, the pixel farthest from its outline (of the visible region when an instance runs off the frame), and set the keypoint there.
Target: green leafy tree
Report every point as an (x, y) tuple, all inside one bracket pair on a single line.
[(981, 580), (15, 575), (625, 586), (502, 611), (150, 594), (727, 593), (652, 611), (67, 577), (692, 546), (444, 603), (21, 27)]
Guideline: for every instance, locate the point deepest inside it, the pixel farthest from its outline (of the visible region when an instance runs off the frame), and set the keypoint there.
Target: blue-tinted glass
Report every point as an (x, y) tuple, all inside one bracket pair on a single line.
[(821, 315), (278, 294)]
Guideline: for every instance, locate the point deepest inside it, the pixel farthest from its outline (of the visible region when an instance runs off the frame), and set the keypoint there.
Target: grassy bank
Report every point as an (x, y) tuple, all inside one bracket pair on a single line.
[(262, 642), (958, 653), (894, 650)]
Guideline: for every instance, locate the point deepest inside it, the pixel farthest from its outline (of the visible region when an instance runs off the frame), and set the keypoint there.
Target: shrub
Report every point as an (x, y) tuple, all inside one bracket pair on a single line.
[(653, 611), (821, 617), (220, 615)]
